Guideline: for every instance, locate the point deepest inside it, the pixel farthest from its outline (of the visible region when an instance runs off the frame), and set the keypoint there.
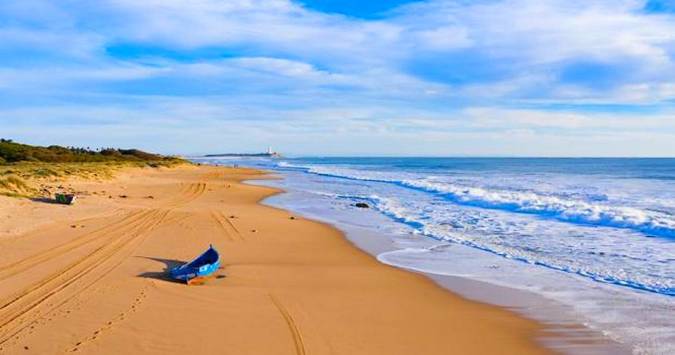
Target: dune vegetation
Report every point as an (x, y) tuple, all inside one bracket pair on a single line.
[(12, 152), (25, 169)]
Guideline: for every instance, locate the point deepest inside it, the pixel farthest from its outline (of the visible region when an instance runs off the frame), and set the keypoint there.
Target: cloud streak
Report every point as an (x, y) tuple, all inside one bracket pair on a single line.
[(441, 68)]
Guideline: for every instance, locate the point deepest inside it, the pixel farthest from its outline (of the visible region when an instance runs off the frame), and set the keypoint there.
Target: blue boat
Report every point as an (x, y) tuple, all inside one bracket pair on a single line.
[(198, 269)]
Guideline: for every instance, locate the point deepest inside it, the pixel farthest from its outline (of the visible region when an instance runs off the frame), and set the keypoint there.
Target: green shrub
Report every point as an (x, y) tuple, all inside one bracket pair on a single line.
[(12, 152)]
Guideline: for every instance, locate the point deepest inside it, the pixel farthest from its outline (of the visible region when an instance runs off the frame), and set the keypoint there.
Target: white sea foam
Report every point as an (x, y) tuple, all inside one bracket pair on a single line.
[(555, 234), (642, 320), (596, 255), (561, 207)]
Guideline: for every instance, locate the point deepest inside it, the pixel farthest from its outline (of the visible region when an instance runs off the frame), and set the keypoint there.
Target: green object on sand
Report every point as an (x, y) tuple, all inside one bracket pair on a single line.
[(66, 199)]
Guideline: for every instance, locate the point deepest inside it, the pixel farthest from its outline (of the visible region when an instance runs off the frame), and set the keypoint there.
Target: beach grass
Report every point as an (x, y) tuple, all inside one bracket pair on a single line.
[(24, 179), (14, 186), (25, 170)]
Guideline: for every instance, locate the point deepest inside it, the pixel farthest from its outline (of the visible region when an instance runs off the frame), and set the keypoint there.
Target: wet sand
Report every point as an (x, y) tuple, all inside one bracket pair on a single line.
[(92, 279)]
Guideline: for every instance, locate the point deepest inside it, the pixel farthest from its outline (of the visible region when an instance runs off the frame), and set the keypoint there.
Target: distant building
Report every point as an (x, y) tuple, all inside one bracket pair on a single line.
[(269, 153)]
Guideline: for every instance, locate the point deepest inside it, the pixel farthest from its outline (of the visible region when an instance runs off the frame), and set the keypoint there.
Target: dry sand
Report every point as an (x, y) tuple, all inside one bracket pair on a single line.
[(90, 278)]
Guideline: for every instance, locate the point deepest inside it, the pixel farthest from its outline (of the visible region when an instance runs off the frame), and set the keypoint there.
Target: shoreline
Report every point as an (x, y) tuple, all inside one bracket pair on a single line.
[(473, 291), (300, 282), (560, 331)]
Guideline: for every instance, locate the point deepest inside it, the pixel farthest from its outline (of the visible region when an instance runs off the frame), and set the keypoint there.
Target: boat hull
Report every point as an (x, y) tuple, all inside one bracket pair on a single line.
[(202, 267), (186, 274)]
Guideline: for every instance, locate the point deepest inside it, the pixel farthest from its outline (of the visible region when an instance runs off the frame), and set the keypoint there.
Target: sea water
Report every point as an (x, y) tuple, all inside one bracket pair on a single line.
[(595, 235)]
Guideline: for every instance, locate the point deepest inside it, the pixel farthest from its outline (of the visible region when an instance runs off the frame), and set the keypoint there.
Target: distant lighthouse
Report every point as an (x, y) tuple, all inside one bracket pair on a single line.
[(271, 153)]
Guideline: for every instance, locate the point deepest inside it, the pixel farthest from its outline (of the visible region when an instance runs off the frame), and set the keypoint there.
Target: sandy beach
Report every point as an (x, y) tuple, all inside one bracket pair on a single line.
[(91, 278)]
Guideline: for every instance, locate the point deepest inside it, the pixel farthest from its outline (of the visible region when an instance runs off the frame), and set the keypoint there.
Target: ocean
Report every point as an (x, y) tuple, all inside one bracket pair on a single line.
[(595, 235)]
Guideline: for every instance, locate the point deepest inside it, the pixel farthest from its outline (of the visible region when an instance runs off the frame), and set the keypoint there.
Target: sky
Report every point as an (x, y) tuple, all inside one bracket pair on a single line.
[(329, 77)]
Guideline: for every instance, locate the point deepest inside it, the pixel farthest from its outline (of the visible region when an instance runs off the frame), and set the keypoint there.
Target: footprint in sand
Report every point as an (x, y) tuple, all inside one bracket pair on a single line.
[(109, 324)]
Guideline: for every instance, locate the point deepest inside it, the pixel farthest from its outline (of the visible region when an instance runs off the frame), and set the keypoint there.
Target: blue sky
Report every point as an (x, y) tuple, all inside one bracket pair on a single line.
[(439, 77)]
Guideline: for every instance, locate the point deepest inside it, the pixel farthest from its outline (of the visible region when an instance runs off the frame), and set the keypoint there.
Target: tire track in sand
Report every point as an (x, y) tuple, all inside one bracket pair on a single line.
[(4, 304), (292, 326), (187, 194), (216, 217), (234, 228), (29, 262), (16, 311), (227, 226)]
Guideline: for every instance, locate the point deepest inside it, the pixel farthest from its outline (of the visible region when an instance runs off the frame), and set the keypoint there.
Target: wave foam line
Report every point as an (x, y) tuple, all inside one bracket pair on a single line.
[(567, 210), (398, 214)]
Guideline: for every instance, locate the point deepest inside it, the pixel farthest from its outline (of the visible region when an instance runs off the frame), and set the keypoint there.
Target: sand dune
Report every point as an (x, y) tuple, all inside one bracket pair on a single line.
[(92, 280)]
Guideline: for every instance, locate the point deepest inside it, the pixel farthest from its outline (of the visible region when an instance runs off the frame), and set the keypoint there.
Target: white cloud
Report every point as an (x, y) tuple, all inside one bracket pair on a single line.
[(494, 117), (445, 38), (552, 30), (524, 39), (279, 67), (279, 25), (69, 44), (490, 117)]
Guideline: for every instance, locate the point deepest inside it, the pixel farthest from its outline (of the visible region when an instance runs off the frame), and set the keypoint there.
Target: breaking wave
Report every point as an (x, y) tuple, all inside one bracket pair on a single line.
[(591, 211)]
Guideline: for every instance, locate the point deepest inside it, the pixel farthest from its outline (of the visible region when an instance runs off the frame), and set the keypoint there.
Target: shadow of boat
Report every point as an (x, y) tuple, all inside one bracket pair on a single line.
[(46, 200), (59, 199), (164, 274)]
